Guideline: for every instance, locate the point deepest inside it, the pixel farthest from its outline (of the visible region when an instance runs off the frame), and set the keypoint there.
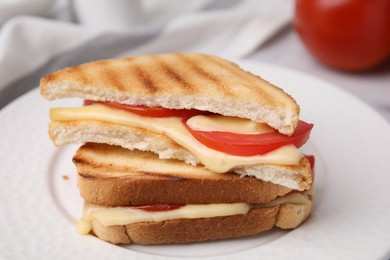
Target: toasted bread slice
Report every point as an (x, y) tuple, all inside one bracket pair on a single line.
[(113, 176), (177, 80), (285, 216)]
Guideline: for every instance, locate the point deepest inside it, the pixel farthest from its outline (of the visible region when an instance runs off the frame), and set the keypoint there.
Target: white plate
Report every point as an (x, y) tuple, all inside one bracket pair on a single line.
[(351, 220)]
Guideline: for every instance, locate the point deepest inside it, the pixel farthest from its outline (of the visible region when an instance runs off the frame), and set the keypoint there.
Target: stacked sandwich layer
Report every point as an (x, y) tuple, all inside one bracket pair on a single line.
[(180, 148)]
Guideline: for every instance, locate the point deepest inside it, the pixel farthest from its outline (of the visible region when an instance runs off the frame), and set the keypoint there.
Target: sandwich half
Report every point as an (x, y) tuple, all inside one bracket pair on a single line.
[(196, 108), (134, 197)]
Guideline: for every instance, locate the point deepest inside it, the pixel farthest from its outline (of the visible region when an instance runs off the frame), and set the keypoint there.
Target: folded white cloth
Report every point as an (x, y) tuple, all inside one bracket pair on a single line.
[(12, 8), (71, 32)]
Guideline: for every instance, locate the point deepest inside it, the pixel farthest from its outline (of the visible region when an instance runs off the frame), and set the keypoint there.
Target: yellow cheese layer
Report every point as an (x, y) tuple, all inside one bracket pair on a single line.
[(126, 215), (173, 128), (227, 124)]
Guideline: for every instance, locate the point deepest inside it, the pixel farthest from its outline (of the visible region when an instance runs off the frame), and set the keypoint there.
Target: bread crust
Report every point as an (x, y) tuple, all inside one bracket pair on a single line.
[(177, 80), (286, 216), (113, 176), (291, 215)]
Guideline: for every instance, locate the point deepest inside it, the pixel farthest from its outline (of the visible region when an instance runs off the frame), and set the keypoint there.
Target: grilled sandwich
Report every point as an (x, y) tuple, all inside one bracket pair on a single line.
[(181, 147)]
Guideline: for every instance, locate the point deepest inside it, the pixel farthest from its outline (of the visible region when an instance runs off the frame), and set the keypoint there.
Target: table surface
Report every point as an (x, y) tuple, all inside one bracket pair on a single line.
[(287, 50)]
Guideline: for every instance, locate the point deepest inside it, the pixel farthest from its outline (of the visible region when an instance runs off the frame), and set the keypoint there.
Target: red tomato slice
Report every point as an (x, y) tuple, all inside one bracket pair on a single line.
[(251, 144), (157, 207), (88, 102), (152, 111)]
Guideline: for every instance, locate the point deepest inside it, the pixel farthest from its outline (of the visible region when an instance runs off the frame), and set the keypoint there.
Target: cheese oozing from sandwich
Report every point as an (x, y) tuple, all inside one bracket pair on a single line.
[(112, 216), (173, 128)]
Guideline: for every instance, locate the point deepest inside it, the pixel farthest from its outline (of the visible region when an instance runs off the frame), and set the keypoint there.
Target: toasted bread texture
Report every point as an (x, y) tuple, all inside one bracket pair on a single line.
[(297, 177), (177, 80), (285, 216), (113, 176)]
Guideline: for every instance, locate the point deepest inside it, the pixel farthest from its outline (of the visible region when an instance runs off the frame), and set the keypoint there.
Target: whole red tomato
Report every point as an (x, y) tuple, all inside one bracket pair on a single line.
[(346, 34)]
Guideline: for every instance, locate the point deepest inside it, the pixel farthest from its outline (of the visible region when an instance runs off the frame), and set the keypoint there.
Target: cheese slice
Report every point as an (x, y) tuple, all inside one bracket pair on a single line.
[(112, 216), (128, 215), (173, 128), (229, 124)]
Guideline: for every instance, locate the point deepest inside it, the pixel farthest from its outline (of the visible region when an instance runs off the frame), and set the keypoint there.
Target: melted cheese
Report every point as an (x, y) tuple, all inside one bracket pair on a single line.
[(291, 198), (227, 124), (173, 128), (126, 215), (83, 226)]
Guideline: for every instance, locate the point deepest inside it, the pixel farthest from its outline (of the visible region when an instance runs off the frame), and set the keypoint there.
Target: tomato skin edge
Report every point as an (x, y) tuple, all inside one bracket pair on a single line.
[(234, 144)]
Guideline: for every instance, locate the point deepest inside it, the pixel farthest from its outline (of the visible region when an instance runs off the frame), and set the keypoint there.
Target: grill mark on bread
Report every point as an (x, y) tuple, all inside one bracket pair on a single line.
[(75, 69), (241, 74), (78, 160), (48, 78), (171, 73), (151, 174), (92, 164), (164, 176), (81, 74), (112, 76), (128, 58), (217, 82), (228, 66), (145, 78), (87, 176)]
